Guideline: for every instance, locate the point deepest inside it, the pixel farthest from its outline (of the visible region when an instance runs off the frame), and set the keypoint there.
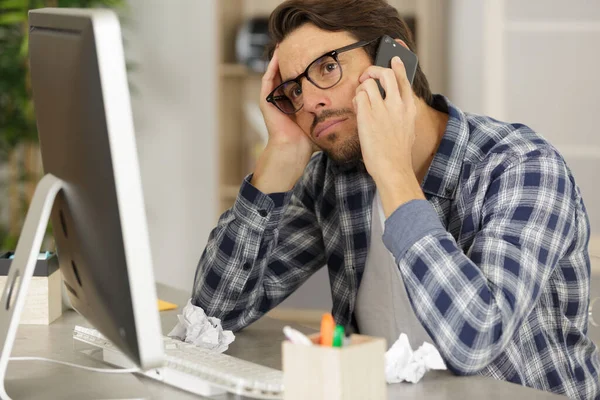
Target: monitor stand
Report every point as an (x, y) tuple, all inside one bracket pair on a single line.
[(23, 266)]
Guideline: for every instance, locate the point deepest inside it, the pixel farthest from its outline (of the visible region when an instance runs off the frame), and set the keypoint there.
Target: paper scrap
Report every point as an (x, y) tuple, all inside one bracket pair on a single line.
[(196, 328), (402, 364)]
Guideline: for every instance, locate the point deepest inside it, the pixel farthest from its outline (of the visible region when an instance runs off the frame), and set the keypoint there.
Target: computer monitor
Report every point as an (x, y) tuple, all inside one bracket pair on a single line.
[(92, 185)]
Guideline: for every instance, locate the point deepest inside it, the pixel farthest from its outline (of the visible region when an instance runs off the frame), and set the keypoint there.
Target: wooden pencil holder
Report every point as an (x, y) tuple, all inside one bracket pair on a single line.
[(353, 372)]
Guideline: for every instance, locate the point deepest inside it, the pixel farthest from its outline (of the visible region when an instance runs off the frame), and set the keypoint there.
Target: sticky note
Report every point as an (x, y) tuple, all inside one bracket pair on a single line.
[(165, 305)]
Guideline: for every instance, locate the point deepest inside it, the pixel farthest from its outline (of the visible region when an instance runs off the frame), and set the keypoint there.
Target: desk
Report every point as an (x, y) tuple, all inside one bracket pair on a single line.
[(258, 343)]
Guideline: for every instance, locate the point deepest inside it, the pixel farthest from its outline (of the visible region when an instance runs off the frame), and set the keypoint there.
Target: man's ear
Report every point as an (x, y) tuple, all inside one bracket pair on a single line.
[(401, 42)]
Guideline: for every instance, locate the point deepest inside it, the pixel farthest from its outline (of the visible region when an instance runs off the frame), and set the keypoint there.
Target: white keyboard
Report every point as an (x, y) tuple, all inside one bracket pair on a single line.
[(195, 369)]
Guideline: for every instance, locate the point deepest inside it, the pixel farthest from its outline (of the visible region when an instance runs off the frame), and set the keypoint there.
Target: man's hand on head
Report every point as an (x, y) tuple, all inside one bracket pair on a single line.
[(288, 149), (386, 129)]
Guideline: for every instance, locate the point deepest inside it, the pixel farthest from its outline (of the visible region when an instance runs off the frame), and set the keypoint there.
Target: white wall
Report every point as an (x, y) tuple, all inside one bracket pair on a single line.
[(534, 62), (465, 54), (175, 118)]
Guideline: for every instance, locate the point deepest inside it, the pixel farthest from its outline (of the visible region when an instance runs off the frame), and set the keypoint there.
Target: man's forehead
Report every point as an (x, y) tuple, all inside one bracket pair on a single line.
[(305, 44)]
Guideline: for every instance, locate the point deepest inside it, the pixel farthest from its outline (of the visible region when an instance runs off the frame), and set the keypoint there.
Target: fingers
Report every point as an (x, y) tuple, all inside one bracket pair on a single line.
[(361, 104), (404, 86), (361, 100), (387, 79), (370, 88), (271, 78)]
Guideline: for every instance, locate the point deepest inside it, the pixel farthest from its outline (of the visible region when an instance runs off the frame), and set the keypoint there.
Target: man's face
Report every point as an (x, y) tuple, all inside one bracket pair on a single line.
[(327, 117)]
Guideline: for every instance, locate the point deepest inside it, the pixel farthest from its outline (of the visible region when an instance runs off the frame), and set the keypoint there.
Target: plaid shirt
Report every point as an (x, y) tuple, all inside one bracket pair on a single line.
[(499, 277)]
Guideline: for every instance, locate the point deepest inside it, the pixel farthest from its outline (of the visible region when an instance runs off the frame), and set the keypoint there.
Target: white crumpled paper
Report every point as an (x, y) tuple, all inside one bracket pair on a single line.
[(402, 364), (196, 328)]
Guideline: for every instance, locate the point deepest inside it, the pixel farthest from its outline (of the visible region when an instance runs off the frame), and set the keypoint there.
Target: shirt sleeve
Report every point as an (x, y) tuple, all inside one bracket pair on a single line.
[(262, 249), (472, 304)]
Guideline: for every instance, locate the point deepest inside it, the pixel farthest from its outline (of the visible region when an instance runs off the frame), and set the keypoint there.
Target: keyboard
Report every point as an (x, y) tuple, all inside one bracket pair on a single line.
[(194, 369)]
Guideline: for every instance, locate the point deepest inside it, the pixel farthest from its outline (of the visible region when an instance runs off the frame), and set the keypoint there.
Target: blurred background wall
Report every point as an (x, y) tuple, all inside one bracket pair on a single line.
[(174, 49)]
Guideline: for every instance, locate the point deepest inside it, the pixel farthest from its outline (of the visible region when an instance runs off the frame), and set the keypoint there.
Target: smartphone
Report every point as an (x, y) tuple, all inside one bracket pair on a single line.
[(388, 49)]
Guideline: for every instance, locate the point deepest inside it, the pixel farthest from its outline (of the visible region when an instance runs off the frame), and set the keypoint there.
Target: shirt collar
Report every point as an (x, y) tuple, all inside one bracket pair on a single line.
[(357, 166), (444, 172)]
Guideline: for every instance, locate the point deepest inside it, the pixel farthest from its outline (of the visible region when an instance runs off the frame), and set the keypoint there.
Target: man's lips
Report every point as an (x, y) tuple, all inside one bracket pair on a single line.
[(320, 128)]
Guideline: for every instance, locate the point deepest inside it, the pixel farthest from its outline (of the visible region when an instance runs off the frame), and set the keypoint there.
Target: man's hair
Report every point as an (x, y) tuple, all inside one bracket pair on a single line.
[(364, 19)]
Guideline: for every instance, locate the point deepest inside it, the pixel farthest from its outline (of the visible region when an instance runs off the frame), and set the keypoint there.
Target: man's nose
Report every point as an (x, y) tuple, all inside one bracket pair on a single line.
[(314, 98)]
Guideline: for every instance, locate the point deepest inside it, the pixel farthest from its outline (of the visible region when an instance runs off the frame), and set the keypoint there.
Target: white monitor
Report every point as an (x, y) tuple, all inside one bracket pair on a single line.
[(92, 189)]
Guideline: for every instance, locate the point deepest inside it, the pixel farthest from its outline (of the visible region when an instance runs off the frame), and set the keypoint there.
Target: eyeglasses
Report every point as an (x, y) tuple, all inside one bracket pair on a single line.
[(324, 72)]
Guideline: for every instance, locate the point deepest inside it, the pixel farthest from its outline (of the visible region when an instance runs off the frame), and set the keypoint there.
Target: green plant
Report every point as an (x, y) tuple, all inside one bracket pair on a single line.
[(18, 133)]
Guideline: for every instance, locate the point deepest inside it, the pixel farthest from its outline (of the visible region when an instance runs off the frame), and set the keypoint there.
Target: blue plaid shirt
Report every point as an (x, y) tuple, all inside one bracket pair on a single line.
[(495, 261)]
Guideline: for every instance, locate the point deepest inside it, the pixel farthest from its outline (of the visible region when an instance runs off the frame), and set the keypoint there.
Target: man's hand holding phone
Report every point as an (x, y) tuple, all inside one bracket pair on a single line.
[(288, 149), (386, 129)]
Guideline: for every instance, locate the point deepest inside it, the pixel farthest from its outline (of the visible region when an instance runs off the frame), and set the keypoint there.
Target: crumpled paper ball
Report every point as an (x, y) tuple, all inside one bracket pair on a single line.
[(194, 327), (402, 364)]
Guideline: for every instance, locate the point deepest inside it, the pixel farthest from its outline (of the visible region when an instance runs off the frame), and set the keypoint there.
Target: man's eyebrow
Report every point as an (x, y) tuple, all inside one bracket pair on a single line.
[(292, 77), (286, 79), (304, 69)]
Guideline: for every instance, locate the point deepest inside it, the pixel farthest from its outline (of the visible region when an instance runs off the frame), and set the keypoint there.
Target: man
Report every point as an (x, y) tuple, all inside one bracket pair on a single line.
[(485, 223)]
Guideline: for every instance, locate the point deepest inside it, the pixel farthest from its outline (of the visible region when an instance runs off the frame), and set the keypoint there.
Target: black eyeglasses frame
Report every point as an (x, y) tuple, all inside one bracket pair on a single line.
[(271, 98)]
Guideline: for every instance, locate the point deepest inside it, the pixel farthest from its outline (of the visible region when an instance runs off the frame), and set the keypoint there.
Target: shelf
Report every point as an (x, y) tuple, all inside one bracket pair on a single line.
[(236, 71), (229, 191)]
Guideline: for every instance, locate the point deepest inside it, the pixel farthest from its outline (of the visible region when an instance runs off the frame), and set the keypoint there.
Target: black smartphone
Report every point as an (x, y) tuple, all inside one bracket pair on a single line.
[(388, 49)]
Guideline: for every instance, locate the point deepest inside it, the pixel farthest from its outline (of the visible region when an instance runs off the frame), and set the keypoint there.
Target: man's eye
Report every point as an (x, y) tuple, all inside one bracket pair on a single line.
[(329, 67), (296, 92)]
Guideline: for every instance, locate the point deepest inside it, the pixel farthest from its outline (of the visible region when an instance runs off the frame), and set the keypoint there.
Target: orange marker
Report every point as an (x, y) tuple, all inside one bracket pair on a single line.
[(327, 328)]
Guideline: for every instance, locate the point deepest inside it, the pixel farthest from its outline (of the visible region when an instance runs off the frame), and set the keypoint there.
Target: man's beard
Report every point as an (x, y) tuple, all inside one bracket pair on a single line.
[(346, 153)]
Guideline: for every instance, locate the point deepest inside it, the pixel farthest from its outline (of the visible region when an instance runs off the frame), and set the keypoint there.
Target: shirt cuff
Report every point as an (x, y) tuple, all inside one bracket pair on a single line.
[(408, 224), (257, 208)]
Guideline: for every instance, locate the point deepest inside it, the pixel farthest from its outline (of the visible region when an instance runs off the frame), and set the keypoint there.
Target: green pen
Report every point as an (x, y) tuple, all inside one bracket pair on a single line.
[(338, 336)]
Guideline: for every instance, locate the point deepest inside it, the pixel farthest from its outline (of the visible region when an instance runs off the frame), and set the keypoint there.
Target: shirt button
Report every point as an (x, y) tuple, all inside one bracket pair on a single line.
[(263, 213), (247, 266)]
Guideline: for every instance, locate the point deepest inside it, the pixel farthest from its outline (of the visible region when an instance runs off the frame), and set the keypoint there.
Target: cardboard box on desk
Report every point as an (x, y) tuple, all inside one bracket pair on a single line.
[(352, 372), (43, 303)]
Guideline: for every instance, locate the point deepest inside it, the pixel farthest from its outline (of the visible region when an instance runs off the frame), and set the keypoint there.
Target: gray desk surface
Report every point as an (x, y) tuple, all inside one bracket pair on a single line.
[(258, 343)]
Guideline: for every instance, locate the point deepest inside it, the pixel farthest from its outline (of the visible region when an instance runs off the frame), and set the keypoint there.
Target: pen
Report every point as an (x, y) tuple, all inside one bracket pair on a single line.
[(327, 328), (296, 337), (338, 336)]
